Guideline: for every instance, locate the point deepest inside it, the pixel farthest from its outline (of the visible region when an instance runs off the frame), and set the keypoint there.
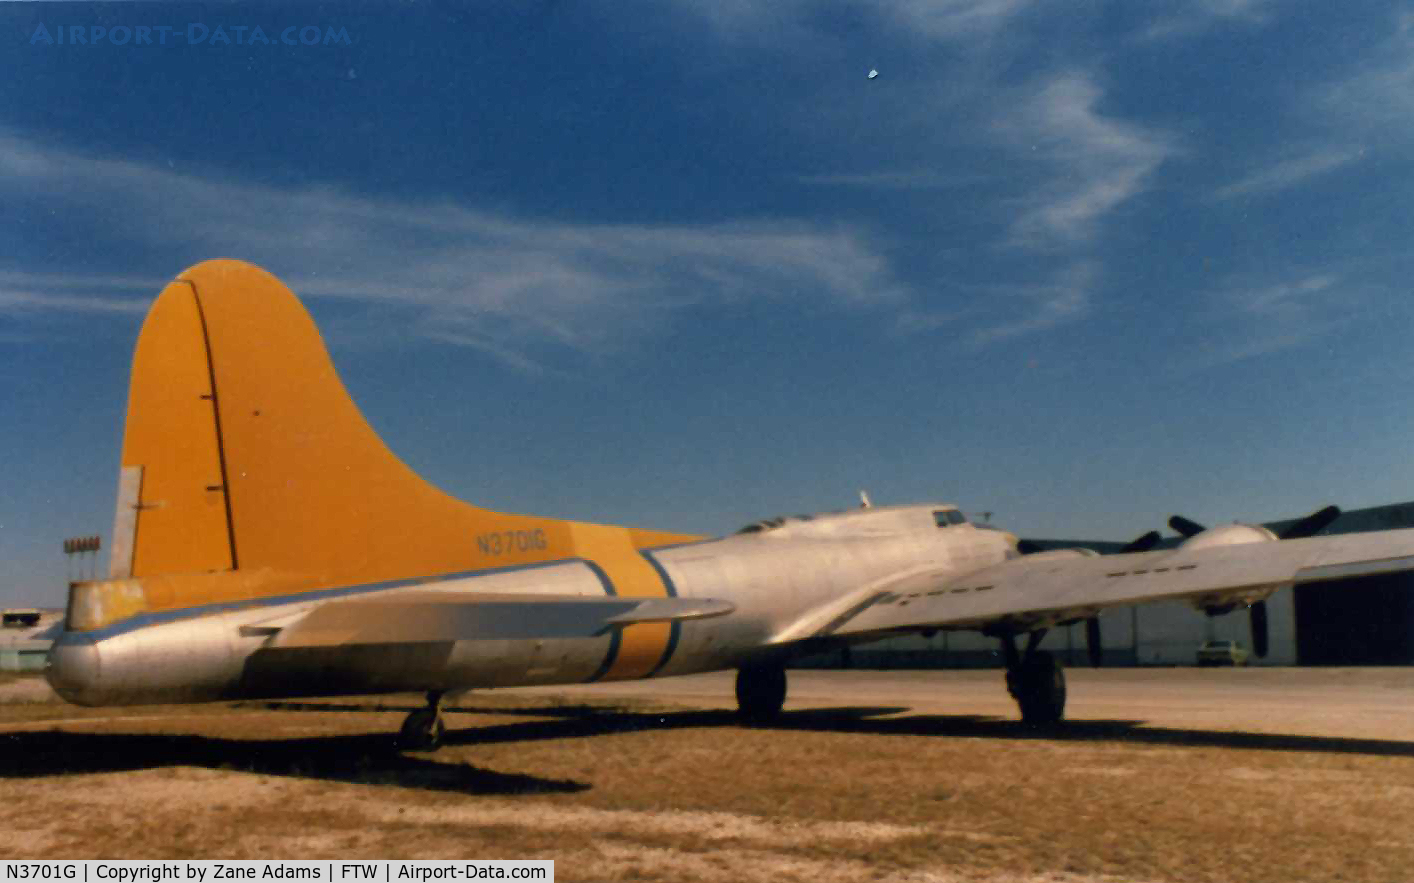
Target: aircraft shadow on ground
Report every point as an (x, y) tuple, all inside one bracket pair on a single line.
[(973, 726), (890, 721), (369, 759), (363, 759), (580, 721)]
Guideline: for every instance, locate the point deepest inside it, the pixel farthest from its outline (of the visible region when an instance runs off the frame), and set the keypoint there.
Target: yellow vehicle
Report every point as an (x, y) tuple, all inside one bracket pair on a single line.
[(1213, 653)]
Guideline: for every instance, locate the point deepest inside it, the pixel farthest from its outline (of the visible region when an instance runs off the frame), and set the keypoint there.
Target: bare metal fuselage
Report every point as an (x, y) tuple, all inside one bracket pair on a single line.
[(775, 579)]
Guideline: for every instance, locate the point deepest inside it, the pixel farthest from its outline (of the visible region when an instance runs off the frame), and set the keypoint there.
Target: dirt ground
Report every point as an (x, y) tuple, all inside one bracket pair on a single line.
[(1159, 775)]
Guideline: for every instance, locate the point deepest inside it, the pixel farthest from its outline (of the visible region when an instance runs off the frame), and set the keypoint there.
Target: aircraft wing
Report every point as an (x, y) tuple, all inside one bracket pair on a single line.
[(1041, 590), (414, 617)]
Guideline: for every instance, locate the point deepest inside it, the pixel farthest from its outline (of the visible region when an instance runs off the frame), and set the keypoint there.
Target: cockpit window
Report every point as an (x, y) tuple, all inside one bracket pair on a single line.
[(948, 517), (773, 523), (763, 525)]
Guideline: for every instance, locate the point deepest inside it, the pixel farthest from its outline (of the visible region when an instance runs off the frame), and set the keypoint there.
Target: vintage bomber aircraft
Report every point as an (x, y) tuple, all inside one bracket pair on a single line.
[(267, 544)]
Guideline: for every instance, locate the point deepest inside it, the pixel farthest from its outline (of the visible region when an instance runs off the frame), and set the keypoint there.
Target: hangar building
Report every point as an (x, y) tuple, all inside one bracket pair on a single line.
[(25, 636)]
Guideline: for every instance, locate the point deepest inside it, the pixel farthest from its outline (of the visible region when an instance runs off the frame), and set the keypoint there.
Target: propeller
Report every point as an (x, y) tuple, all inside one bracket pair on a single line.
[(1092, 625), (1142, 544), (1257, 614), (1306, 527), (1092, 641), (1186, 528), (1311, 525)]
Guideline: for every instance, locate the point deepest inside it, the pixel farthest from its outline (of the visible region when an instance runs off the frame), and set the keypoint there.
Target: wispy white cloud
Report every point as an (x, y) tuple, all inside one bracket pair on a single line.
[(1247, 320), (1272, 301), (509, 286), (1376, 97), (954, 19), (15, 301), (490, 346), (1289, 172), (913, 179), (948, 20), (1042, 307), (31, 293), (1198, 16), (996, 313), (79, 281), (925, 321), (1095, 163)]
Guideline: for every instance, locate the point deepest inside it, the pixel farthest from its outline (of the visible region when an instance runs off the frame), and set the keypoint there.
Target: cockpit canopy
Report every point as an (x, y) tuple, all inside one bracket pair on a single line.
[(948, 517), (766, 524), (893, 518)]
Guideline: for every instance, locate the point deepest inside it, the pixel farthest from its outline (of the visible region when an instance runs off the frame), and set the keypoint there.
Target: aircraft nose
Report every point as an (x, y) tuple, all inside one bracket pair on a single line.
[(73, 668)]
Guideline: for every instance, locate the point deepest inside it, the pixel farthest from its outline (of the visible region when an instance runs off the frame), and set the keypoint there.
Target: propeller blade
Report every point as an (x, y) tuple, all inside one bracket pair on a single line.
[(1185, 527), (1142, 544), (1312, 524), (1092, 641), (1261, 638)]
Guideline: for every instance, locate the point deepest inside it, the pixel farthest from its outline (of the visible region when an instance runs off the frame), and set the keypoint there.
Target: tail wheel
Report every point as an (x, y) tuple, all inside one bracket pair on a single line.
[(760, 692), (423, 730)]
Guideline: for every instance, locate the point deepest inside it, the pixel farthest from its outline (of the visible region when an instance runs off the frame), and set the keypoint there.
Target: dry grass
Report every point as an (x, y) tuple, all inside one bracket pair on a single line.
[(616, 790)]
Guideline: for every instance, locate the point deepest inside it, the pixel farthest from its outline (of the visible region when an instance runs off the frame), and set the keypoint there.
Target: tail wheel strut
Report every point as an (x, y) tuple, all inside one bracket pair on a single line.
[(424, 729)]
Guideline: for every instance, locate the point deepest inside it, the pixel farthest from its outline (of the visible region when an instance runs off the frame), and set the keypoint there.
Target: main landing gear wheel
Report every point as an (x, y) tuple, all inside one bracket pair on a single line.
[(1039, 688), (760, 692), (423, 730), (1036, 681)]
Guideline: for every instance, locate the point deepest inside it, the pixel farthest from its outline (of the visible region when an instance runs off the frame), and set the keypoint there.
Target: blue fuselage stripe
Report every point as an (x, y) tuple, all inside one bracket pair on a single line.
[(676, 630), (617, 637)]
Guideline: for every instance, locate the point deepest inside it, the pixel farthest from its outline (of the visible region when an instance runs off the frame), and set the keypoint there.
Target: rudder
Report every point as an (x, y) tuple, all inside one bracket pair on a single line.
[(254, 456)]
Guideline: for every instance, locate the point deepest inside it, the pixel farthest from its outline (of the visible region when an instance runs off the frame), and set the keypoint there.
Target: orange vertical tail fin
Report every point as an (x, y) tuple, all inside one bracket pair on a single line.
[(254, 457)]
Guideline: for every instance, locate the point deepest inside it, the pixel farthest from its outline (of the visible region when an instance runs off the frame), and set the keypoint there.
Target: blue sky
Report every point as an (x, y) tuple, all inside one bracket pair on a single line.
[(1082, 265)]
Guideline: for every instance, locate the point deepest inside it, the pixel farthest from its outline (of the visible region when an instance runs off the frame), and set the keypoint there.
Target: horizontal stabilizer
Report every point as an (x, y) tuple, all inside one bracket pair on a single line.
[(825, 620), (672, 610), (435, 617)]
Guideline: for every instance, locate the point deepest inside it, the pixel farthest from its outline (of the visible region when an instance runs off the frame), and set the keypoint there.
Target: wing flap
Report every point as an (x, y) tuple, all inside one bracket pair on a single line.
[(435, 617), (1324, 572), (1023, 594)]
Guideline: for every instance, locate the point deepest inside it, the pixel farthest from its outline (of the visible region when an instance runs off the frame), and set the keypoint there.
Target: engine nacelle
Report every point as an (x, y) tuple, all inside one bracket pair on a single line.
[(1229, 535)]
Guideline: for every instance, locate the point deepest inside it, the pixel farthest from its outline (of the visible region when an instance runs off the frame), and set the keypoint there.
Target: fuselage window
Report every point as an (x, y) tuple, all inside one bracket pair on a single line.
[(948, 517)]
